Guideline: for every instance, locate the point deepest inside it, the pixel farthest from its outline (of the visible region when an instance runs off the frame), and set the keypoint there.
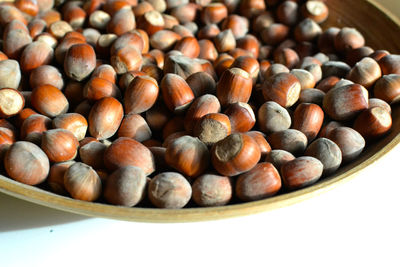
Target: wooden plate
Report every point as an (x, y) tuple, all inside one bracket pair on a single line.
[(380, 30)]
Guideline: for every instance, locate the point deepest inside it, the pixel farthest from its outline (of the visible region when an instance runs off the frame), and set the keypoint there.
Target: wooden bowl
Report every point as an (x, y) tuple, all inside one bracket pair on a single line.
[(379, 29)]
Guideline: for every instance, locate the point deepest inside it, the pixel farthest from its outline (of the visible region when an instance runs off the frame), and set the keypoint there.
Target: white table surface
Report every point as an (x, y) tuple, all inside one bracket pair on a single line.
[(356, 224)]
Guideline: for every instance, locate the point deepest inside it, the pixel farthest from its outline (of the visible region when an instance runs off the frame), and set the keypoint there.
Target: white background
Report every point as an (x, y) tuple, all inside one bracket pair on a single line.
[(356, 224)]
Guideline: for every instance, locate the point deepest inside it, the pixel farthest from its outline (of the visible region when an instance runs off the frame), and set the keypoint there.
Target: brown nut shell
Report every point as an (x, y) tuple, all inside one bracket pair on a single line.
[(235, 154)]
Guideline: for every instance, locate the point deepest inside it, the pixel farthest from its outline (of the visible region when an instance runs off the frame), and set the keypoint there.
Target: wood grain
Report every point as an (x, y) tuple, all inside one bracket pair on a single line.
[(380, 30)]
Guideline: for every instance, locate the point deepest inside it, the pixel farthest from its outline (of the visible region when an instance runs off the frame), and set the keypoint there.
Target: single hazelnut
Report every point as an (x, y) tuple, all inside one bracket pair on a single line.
[(80, 61), (125, 151), (261, 182), (176, 93), (59, 145), (308, 119), (301, 172), (291, 140), (327, 152), (283, 88), (126, 186), (105, 118), (348, 38), (10, 74), (241, 116), (235, 154), (11, 102), (373, 123), (73, 122), (278, 157), (210, 190), (350, 142), (49, 100), (387, 88), (212, 128), (82, 182), (92, 154), (234, 86), (272, 117), (365, 72), (344, 103), (35, 163), (136, 127), (169, 190)]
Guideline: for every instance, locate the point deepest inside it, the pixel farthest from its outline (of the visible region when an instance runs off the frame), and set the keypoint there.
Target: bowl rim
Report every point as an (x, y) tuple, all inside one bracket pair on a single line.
[(156, 215)]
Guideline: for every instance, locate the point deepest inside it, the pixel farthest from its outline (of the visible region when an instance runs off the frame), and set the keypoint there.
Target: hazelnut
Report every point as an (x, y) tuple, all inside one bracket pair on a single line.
[(188, 155), (80, 61), (105, 118), (125, 151), (366, 72), (234, 86), (350, 142), (376, 102), (212, 128), (291, 140), (11, 102), (312, 95), (169, 190), (35, 163), (121, 21), (262, 142), (49, 100), (136, 127), (283, 88), (164, 39), (274, 34), (261, 182), (308, 118), (213, 13), (387, 88), (176, 93), (307, 31), (237, 24), (126, 59), (373, 123), (92, 154), (390, 64), (327, 152), (272, 117), (59, 145), (301, 172), (287, 13), (278, 157), (73, 122), (241, 116), (344, 103), (82, 182), (151, 22), (348, 38), (305, 78), (35, 55), (10, 74), (235, 154), (315, 10), (225, 41), (46, 74), (126, 186), (210, 190), (97, 88), (201, 83)]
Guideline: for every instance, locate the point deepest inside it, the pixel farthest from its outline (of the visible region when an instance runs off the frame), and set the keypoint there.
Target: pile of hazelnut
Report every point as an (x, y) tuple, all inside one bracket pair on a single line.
[(174, 103)]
